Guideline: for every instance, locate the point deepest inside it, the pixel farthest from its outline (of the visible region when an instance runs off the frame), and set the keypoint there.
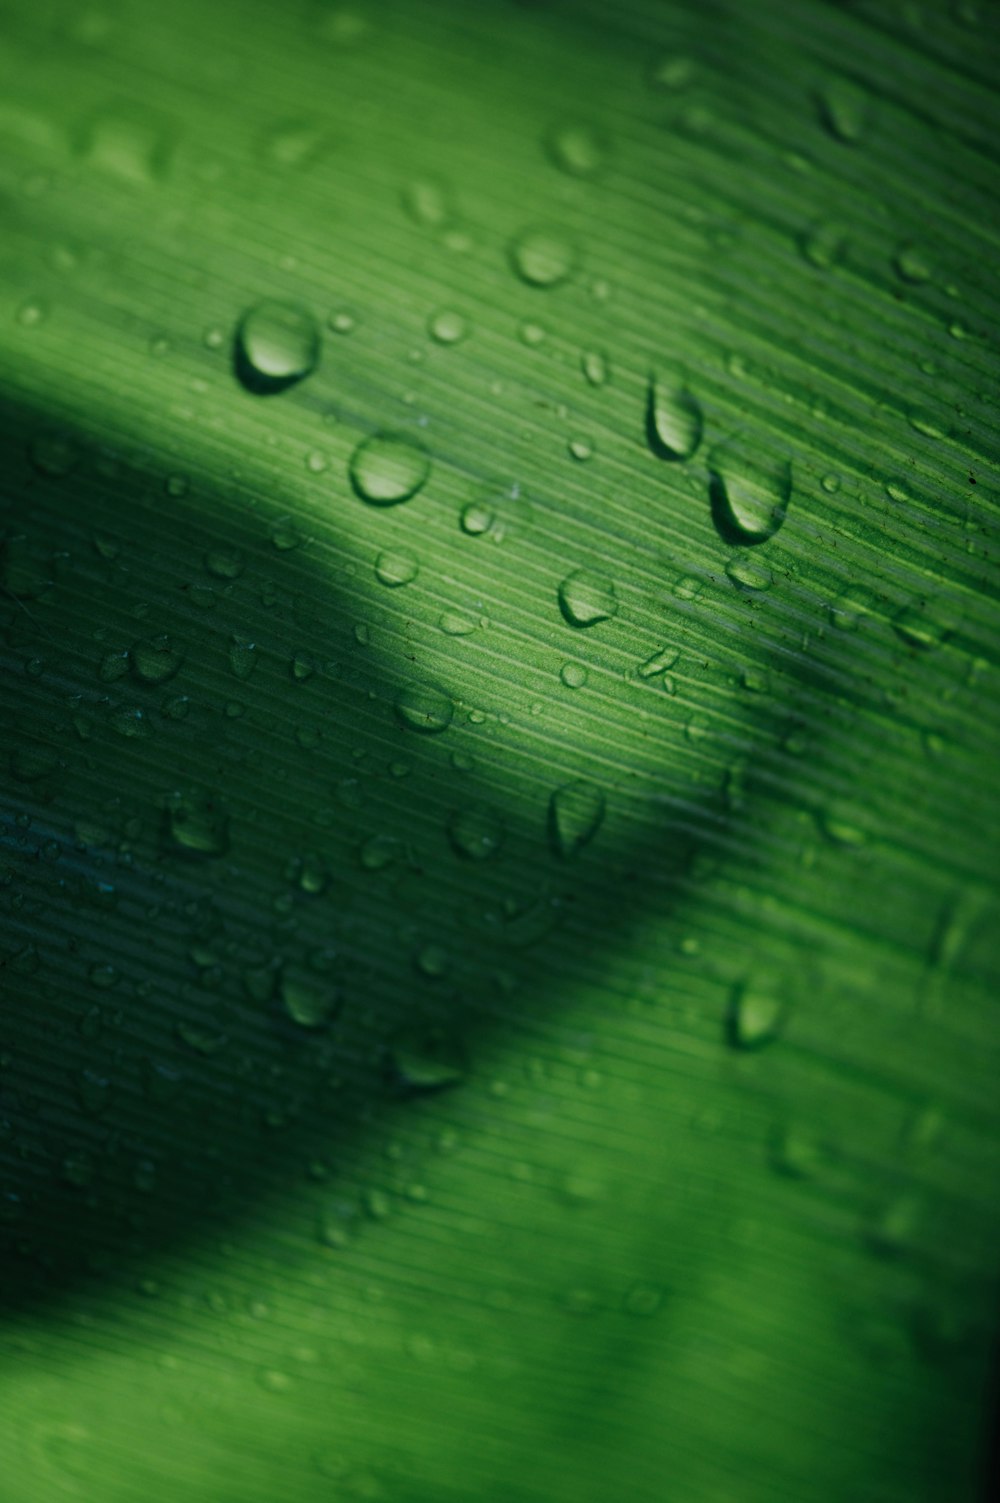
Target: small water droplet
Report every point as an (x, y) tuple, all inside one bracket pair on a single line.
[(749, 492), (476, 519), (823, 245), (427, 201), (673, 416), (576, 148), (843, 824), (53, 453), (242, 657), (531, 334), (913, 264), (573, 675), (455, 624), (660, 662), (850, 607), (843, 108), (576, 811), (423, 1060), (225, 563), (203, 1038), (127, 143), (595, 367), (424, 707), (277, 344), (671, 73), (388, 468), (380, 851), (476, 832), (448, 327), (925, 624), (585, 598), (756, 1016), (926, 423), (341, 322), (543, 258), (393, 568)]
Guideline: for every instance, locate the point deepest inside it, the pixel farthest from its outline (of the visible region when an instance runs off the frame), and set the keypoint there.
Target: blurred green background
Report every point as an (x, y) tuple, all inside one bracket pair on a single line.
[(498, 729)]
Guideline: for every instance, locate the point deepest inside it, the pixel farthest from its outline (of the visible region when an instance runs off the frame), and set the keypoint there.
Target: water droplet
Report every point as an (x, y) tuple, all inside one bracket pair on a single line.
[(824, 244), (103, 976), (422, 1060), (573, 675), (130, 144), (476, 519), (673, 416), (671, 73), (380, 851), (756, 1016), (424, 707), (843, 824), (242, 657), (843, 108), (113, 666), (394, 568), (580, 449), (130, 721), (476, 832), (225, 563), (427, 201), (388, 468), (850, 607), (585, 598), (749, 493), (660, 662), (195, 824), (642, 1299), (307, 1002), (595, 367), (448, 328), (576, 811), (454, 624), (531, 334), (926, 423), (795, 1151), (542, 258), (35, 311), (277, 344), (341, 322), (913, 264), (576, 148), (925, 624), (201, 1037), (155, 661)]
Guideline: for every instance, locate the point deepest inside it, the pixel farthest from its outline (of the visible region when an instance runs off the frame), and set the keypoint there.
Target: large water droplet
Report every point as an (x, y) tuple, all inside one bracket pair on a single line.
[(586, 598), (542, 258), (476, 832), (576, 811), (673, 416), (156, 661), (277, 344), (749, 492), (388, 468), (424, 707)]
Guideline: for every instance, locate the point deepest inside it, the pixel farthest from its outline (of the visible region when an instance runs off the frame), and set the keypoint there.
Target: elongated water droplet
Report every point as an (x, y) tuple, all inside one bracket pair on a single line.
[(576, 811), (388, 468), (277, 344), (749, 492), (542, 257), (756, 1015), (749, 572), (586, 598), (673, 416), (823, 245), (476, 832), (913, 264), (424, 707), (844, 109), (660, 662), (156, 661), (925, 624)]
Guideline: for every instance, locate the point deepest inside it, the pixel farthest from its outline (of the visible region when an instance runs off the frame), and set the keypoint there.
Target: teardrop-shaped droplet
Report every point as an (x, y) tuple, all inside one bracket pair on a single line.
[(673, 416), (277, 344), (749, 492), (844, 109), (424, 707), (308, 1002), (586, 598), (388, 468), (576, 148), (576, 811), (542, 258), (476, 832)]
